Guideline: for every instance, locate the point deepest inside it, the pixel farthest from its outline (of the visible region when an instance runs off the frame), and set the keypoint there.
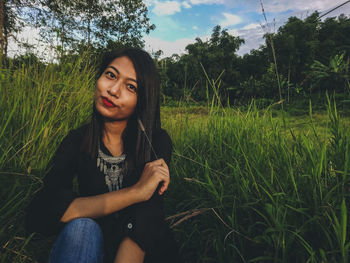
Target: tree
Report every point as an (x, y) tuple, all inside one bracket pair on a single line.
[(123, 21), (80, 24), (57, 23), (296, 45), (10, 22), (335, 76), (2, 35), (334, 37), (215, 55)]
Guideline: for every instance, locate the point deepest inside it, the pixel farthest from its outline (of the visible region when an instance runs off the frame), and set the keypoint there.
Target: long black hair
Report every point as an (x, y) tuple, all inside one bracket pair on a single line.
[(137, 148)]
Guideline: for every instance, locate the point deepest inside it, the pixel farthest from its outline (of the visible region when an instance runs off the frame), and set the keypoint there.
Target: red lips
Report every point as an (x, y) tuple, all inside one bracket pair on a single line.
[(107, 102)]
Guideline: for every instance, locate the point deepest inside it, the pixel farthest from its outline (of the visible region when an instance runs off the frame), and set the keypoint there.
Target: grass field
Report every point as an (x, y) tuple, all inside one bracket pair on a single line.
[(248, 185), (274, 193)]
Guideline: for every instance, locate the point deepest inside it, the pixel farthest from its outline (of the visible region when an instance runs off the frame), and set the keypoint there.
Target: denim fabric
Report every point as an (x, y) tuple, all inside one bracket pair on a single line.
[(81, 240)]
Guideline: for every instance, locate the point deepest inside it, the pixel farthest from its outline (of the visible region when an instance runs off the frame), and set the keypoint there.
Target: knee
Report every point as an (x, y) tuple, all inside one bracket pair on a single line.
[(81, 240), (83, 223), (81, 229)]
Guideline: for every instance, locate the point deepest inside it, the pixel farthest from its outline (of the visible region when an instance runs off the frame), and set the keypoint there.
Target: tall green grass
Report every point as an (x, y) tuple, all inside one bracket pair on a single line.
[(275, 194), (38, 108), (246, 186)]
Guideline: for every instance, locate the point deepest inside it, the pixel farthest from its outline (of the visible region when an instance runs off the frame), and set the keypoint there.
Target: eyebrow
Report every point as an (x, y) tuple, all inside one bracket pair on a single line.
[(131, 79)]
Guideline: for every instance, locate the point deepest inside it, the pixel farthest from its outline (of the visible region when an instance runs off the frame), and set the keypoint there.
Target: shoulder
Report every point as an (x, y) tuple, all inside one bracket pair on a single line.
[(80, 131), (77, 133), (72, 139)]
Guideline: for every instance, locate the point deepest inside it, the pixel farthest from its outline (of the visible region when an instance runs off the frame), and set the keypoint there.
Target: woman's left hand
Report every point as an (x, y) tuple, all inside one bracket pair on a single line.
[(153, 173)]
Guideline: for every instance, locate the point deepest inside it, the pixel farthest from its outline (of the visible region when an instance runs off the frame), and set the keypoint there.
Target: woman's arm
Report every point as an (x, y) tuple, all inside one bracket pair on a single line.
[(104, 204)]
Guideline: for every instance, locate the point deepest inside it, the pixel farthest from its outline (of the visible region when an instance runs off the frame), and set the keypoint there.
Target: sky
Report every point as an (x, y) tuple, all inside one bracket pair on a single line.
[(179, 22)]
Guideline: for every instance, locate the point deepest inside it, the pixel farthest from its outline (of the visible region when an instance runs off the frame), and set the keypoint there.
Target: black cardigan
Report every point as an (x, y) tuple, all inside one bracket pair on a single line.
[(148, 229)]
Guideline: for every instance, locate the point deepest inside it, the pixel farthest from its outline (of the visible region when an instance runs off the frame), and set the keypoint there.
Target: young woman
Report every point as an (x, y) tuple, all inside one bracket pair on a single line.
[(120, 159)]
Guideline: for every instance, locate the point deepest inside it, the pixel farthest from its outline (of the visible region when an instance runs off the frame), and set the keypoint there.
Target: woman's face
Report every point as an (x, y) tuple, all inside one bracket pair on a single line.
[(116, 90)]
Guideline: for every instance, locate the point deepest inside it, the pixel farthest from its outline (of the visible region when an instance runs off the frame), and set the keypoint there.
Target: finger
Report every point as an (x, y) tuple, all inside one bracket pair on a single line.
[(160, 192), (163, 163), (164, 187), (160, 169), (165, 179), (157, 162), (162, 177)]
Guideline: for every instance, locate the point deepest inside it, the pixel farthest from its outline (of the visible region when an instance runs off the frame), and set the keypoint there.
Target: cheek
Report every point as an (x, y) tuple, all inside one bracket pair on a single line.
[(133, 102), (99, 85)]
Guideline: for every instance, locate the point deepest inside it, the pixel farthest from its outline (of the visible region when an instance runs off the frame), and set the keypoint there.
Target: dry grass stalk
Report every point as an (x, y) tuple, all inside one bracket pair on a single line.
[(187, 214), (16, 252)]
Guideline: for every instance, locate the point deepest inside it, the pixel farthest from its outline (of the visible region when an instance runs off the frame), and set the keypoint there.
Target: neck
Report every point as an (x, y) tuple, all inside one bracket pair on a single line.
[(113, 130)]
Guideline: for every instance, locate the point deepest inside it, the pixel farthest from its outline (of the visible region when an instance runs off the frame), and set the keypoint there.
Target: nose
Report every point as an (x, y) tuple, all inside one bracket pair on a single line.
[(115, 89)]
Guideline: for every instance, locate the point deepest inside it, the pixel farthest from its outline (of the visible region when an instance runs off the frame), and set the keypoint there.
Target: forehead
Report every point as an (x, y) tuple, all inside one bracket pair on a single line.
[(124, 66)]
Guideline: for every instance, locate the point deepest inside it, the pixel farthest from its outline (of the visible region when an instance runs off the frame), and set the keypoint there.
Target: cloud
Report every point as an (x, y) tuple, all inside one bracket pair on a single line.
[(253, 39), (30, 36), (206, 2), (230, 20), (166, 8), (186, 5), (195, 27), (148, 3), (168, 47), (251, 26), (234, 32), (301, 5)]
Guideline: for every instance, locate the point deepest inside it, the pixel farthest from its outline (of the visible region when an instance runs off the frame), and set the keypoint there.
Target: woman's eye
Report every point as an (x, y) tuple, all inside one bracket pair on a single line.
[(132, 87), (110, 74)]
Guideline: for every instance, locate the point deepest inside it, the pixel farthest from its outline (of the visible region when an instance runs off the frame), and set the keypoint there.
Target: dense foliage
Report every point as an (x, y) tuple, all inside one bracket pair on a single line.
[(306, 51), (71, 27)]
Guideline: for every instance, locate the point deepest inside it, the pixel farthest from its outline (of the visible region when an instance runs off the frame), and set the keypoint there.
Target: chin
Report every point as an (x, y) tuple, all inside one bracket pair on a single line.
[(107, 116), (114, 119)]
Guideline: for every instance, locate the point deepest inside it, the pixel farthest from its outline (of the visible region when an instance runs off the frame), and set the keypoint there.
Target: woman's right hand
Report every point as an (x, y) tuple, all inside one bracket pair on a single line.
[(153, 173)]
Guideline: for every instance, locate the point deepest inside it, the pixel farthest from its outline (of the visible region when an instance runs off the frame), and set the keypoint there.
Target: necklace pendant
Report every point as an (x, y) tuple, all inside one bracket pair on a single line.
[(110, 167), (109, 183)]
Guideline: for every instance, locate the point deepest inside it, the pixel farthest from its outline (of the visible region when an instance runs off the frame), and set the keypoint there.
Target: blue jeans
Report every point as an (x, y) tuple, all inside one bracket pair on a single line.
[(81, 240)]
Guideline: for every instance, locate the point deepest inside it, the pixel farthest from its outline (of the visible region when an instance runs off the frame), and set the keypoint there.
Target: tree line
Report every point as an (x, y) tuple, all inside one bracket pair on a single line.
[(304, 57), (312, 56)]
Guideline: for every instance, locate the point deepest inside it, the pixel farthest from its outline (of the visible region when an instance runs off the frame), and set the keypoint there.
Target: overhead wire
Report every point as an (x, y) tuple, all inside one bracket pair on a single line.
[(346, 2)]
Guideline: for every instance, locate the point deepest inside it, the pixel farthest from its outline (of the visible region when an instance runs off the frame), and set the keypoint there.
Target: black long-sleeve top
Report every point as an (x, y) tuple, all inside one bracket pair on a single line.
[(143, 222)]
